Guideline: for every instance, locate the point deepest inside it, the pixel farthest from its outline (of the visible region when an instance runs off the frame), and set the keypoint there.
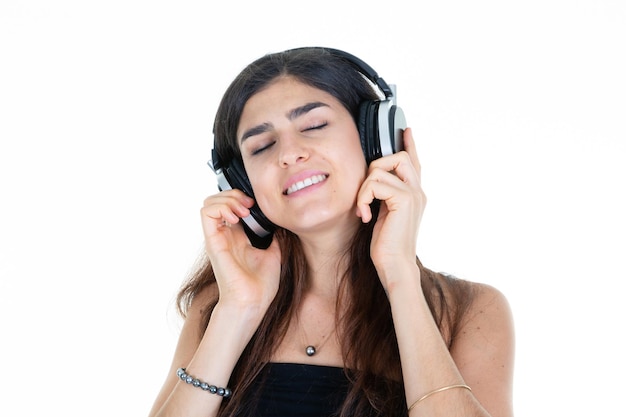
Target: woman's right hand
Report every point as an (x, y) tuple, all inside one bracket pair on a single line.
[(247, 277)]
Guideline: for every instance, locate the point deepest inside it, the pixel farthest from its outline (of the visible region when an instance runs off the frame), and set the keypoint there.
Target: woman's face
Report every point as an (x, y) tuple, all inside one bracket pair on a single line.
[(302, 152)]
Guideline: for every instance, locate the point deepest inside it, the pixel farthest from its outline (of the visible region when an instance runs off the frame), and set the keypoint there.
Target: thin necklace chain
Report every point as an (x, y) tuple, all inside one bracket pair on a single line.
[(310, 349)]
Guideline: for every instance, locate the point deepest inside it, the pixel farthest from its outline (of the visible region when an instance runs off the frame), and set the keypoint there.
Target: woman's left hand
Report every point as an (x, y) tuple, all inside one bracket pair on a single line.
[(395, 181)]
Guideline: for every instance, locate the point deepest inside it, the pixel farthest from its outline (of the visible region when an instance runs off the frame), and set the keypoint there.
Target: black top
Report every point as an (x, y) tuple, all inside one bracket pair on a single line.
[(289, 389)]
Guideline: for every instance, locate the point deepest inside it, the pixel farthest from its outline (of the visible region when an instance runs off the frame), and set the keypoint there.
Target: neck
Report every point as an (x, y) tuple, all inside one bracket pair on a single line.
[(325, 252)]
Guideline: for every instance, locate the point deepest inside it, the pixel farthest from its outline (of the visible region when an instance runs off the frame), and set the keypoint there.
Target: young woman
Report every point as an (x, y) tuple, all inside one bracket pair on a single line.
[(337, 316)]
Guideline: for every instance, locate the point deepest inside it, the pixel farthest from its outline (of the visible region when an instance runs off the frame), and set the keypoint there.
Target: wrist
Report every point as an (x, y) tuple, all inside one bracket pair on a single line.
[(238, 317), (400, 278), (227, 334)]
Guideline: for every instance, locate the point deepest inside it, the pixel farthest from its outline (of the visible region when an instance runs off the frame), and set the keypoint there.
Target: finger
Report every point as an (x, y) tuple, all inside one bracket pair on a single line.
[(235, 195), (379, 185), (221, 234), (227, 206), (382, 187), (399, 164), (411, 149)]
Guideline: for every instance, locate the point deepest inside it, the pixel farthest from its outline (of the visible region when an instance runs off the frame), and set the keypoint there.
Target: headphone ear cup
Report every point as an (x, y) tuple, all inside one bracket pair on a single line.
[(368, 130), (237, 177)]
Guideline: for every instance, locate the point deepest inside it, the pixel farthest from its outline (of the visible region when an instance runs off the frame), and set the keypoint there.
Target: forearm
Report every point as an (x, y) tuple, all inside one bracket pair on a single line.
[(226, 336), (426, 361)]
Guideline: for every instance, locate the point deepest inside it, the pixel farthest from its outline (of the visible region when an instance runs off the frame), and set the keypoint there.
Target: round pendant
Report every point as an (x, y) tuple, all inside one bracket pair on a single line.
[(310, 350)]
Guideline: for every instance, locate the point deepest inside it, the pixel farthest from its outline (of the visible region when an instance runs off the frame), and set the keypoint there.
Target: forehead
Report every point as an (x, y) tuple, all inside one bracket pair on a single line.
[(279, 97)]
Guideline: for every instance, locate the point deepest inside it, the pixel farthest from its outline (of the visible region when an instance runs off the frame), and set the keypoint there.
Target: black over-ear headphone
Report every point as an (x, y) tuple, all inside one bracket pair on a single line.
[(380, 124)]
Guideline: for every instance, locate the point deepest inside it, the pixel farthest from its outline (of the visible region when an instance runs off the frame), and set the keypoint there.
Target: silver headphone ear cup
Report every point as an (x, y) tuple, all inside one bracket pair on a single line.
[(397, 128), (258, 228), (256, 222), (384, 128), (391, 125)]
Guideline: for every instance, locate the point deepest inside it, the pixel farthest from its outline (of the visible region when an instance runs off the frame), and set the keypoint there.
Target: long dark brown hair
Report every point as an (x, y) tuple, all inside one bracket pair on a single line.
[(366, 334)]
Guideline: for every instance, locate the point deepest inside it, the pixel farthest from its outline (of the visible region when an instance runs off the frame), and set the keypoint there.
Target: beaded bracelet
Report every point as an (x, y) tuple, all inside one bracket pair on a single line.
[(185, 377)]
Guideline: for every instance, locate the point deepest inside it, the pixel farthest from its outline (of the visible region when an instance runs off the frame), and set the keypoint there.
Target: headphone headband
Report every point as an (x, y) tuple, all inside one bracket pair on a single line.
[(359, 64)]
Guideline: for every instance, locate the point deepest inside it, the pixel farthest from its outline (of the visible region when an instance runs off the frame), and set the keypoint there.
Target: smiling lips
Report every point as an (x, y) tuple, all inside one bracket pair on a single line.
[(305, 183)]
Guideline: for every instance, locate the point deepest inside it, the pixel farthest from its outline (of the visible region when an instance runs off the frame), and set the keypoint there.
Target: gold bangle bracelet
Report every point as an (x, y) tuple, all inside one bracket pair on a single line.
[(439, 390)]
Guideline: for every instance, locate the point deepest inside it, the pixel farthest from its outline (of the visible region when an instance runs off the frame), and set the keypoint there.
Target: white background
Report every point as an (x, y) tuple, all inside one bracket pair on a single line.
[(106, 111)]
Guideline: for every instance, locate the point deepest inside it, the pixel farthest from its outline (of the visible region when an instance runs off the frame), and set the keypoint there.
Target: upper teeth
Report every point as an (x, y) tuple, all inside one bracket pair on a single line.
[(305, 183)]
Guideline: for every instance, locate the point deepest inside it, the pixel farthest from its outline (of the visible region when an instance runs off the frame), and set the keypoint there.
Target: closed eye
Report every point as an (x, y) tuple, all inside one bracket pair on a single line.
[(262, 148), (316, 127)]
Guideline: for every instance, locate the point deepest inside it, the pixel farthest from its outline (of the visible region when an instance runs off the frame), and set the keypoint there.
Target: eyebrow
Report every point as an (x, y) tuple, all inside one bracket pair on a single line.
[(291, 115)]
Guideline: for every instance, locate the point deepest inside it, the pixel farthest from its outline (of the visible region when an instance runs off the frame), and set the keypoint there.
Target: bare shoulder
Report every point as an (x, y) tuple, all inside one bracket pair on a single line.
[(489, 304), (193, 325), (188, 340), (204, 299), (484, 348), (192, 330), (487, 321)]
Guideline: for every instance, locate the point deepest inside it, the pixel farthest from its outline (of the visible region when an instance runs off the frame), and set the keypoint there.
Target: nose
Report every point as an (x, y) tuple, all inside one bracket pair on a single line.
[(292, 151)]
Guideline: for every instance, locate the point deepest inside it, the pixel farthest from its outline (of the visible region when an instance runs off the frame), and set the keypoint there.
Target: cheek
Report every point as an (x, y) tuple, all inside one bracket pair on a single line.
[(256, 181), (253, 174), (355, 148), (358, 162), (265, 204), (260, 188)]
